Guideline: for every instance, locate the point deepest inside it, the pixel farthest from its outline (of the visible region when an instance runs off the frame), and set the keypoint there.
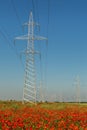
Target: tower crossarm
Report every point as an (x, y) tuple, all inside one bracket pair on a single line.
[(39, 38), (31, 23), (29, 37)]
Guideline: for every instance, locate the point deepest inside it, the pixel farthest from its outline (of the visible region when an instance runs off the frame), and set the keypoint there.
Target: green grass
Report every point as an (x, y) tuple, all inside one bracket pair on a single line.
[(55, 106)]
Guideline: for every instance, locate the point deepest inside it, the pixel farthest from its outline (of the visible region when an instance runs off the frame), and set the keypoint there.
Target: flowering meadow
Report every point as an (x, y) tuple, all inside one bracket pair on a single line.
[(43, 116)]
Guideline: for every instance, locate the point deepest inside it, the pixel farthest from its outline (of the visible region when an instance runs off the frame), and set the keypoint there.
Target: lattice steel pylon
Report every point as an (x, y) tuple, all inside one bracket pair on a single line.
[(78, 89), (29, 90)]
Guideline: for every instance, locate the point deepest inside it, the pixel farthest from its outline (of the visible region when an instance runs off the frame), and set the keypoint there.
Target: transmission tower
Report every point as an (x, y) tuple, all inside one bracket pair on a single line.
[(30, 79), (78, 89)]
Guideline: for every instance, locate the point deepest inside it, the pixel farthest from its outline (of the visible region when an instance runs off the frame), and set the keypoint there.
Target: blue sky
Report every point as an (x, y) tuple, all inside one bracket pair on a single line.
[(65, 25)]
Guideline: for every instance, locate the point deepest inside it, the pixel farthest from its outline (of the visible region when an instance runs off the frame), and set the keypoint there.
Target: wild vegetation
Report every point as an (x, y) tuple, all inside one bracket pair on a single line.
[(43, 116)]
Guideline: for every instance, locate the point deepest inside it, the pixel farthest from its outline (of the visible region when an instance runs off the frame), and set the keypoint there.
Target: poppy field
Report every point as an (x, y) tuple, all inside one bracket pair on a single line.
[(43, 116)]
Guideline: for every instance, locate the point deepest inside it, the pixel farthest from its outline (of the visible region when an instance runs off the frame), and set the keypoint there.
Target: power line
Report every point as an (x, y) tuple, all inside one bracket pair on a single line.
[(37, 10), (36, 15), (9, 42), (19, 57), (48, 10), (48, 18), (15, 10), (6, 38), (46, 54)]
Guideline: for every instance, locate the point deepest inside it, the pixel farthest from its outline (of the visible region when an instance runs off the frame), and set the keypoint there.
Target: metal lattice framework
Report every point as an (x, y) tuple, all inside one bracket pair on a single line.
[(29, 90), (78, 89)]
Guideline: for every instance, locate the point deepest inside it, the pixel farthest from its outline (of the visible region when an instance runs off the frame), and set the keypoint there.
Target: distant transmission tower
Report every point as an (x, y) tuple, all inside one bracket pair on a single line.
[(29, 90), (78, 89)]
